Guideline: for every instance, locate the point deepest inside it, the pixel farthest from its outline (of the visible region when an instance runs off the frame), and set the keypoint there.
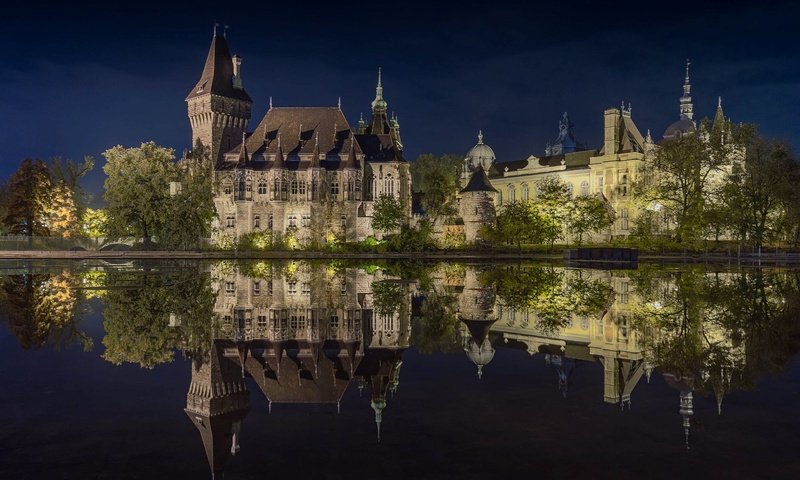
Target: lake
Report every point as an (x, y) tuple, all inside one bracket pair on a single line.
[(373, 369)]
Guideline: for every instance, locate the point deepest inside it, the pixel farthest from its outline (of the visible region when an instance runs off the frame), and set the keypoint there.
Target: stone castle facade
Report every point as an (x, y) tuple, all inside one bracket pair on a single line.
[(302, 173)]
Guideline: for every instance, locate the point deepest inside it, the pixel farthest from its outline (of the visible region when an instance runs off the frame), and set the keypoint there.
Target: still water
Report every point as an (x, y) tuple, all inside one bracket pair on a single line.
[(377, 370)]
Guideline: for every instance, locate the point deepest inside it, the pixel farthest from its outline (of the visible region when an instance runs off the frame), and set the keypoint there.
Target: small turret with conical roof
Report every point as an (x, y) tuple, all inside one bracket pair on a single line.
[(476, 205)]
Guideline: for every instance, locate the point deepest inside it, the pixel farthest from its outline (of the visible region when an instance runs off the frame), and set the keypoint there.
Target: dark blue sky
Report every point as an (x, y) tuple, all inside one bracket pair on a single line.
[(77, 79)]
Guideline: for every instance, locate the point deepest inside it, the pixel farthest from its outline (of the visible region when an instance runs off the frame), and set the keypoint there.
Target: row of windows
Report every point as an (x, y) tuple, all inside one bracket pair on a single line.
[(291, 221), (291, 288), (584, 189)]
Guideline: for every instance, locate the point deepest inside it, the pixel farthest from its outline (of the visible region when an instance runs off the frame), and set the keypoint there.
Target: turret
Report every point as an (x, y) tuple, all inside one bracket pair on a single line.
[(218, 106), (476, 206)]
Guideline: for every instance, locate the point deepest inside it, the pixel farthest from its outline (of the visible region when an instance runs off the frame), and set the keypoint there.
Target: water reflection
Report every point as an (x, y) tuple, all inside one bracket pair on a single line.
[(302, 333)]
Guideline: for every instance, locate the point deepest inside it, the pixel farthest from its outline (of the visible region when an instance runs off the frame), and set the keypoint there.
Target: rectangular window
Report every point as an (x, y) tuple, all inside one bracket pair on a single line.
[(335, 187), (292, 220), (623, 222), (306, 220), (623, 296), (344, 288), (256, 287), (306, 289), (230, 288), (302, 188), (230, 221), (292, 288), (256, 221), (262, 321), (600, 183)]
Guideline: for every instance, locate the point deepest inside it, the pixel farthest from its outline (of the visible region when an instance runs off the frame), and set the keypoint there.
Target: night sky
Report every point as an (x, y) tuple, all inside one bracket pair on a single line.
[(76, 80)]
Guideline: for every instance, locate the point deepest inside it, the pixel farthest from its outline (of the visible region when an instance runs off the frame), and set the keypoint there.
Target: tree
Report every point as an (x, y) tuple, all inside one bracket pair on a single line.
[(137, 190), (192, 207), (28, 199), (755, 191), (523, 222), (62, 214), (93, 224), (4, 197), (678, 178), (587, 214), (437, 178), (69, 173), (388, 214)]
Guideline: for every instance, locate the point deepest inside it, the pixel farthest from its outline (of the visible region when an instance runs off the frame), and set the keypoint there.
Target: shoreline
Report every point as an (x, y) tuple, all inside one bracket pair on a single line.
[(779, 259)]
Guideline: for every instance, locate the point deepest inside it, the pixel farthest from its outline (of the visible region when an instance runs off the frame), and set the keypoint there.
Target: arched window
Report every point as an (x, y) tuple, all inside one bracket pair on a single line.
[(524, 192), (262, 187), (294, 186), (569, 190), (388, 185), (227, 187), (584, 188), (512, 195)]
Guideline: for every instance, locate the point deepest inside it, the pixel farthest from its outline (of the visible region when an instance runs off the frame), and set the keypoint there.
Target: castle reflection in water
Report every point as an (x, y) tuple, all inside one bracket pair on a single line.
[(303, 333)]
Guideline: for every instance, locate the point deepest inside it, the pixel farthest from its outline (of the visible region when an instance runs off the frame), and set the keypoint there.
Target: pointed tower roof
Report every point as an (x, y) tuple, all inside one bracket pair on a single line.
[(217, 76), (719, 116), (279, 158), (686, 106), (315, 163), (351, 162), (479, 182), (243, 158), (379, 104)]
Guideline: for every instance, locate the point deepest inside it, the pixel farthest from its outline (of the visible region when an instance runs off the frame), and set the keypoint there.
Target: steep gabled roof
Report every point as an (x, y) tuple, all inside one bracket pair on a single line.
[(217, 76), (379, 148)]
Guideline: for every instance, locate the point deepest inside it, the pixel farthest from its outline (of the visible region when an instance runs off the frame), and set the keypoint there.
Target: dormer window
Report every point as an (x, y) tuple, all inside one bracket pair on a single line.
[(202, 87)]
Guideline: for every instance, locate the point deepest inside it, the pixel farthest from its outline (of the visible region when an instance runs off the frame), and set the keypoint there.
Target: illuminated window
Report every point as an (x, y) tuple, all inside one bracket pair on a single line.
[(262, 187)]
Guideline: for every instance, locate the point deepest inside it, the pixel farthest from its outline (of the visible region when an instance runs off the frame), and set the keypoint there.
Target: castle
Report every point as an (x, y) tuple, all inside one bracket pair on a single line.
[(303, 172), (608, 173)]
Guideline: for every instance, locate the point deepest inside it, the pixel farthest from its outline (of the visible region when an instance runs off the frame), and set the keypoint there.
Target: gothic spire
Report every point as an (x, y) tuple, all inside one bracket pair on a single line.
[(686, 106), (379, 104), (315, 154)]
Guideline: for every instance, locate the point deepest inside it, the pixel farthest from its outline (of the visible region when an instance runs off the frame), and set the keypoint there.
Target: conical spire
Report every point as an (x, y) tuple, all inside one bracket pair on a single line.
[(377, 407), (279, 163), (243, 159), (315, 154), (719, 116), (218, 73), (686, 106), (379, 104), (351, 162), (480, 137)]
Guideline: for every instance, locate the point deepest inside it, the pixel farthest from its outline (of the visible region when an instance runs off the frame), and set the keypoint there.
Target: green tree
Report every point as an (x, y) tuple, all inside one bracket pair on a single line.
[(137, 190), (587, 214), (755, 191), (93, 223), (437, 178), (192, 207), (388, 214), (29, 197), (678, 178)]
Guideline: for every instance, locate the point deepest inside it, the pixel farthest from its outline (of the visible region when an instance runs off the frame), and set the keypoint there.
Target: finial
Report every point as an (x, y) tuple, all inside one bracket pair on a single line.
[(480, 137), (270, 102), (339, 104), (622, 105), (216, 24), (630, 108), (379, 77), (480, 372), (687, 70), (225, 31), (361, 117), (719, 101)]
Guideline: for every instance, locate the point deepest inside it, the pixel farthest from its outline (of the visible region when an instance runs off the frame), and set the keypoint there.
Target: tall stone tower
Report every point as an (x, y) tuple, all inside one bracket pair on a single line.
[(219, 107), (477, 203)]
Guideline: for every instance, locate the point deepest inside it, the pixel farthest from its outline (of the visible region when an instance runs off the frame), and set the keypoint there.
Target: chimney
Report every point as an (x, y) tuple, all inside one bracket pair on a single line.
[(611, 131), (237, 72)]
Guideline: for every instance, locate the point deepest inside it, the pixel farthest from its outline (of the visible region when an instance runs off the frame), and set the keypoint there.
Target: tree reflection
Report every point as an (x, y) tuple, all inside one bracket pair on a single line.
[(43, 309), (150, 314)]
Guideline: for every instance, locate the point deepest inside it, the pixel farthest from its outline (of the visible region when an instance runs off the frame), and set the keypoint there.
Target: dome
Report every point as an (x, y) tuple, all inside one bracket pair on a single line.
[(481, 354), (480, 154), (680, 127)]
